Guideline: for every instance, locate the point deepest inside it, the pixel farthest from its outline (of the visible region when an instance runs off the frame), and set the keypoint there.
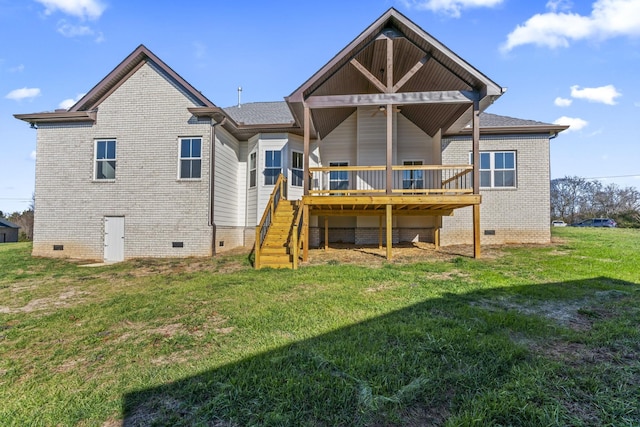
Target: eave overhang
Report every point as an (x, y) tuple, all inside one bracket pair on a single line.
[(58, 117), (552, 130)]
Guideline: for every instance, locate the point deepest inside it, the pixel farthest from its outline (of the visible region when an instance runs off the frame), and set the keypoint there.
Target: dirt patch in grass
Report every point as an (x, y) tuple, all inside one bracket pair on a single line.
[(68, 298), (404, 253)]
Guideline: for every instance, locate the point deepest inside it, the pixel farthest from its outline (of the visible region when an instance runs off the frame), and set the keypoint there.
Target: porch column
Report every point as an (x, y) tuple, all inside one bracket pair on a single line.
[(476, 177), (389, 231), (305, 185), (389, 112)]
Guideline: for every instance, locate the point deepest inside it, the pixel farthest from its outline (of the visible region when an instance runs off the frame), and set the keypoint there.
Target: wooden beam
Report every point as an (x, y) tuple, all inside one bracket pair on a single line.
[(400, 98), (359, 212), (380, 237), (476, 146), (389, 231), (305, 155), (457, 200), (410, 74), (374, 81), (326, 233), (476, 177), (389, 66), (476, 231), (305, 225), (389, 184)]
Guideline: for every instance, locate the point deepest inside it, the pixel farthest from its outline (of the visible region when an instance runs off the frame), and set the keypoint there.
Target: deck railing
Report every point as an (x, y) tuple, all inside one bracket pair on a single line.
[(407, 180), (279, 192)]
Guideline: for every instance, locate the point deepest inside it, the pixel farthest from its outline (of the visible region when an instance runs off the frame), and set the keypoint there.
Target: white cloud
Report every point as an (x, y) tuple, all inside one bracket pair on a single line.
[(555, 5), (33, 155), (70, 30), (83, 9), (562, 102), (70, 102), (575, 124), (17, 69), (449, 7), (604, 94), (24, 93), (608, 18)]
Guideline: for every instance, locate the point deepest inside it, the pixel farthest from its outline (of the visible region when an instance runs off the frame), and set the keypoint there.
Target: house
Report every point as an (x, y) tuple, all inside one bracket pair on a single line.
[(8, 231), (387, 142)]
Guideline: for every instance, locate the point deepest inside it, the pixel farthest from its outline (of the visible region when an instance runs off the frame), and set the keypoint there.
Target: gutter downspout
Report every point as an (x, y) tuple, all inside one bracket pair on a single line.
[(212, 161)]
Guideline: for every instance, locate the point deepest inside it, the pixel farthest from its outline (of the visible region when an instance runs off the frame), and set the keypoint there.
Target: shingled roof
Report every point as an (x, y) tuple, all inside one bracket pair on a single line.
[(261, 113), (278, 113)]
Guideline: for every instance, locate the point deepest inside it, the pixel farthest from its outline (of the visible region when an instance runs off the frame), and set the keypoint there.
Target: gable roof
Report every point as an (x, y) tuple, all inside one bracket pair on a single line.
[(124, 70), (85, 109), (5, 223), (429, 65)]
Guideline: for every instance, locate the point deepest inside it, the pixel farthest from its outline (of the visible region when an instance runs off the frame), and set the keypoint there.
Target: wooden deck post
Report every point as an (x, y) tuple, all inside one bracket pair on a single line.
[(326, 233), (305, 185), (389, 231), (476, 177), (380, 237)]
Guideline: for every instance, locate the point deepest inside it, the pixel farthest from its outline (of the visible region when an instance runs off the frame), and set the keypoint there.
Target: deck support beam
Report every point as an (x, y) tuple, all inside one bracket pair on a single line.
[(389, 231), (305, 180), (326, 233), (476, 177)]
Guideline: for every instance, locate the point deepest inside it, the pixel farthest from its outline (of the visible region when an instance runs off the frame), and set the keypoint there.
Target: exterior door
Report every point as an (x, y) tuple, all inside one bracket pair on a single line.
[(113, 238)]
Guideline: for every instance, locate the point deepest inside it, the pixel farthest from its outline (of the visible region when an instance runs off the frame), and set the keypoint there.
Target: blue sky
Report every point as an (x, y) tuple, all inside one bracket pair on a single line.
[(570, 62)]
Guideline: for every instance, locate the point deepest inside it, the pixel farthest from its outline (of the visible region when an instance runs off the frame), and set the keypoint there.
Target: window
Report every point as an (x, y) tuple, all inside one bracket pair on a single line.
[(272, 166), (497, 169), (252, 170), (106, 159), (338, 180), (190, 158), (297, 169), (412, 179)]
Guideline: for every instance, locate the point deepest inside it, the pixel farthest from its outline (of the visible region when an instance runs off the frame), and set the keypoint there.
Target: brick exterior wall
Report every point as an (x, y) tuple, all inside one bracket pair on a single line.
[(146, 115), (519, 215)]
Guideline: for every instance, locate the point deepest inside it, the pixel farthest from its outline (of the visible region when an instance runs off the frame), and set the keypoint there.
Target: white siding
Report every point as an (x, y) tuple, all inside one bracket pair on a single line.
[(253, 217), (226, 189), (339, 145)]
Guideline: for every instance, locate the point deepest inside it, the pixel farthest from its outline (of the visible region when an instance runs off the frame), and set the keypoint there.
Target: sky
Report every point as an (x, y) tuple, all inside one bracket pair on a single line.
[(566, 62)]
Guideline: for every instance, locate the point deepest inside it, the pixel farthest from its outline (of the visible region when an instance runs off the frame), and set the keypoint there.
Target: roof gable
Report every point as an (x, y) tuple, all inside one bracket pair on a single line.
[(124, 70), (5, 223), (420, 65)]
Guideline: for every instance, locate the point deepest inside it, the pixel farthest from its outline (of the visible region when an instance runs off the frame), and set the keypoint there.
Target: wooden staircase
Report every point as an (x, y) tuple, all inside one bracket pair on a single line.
[(275, 250)]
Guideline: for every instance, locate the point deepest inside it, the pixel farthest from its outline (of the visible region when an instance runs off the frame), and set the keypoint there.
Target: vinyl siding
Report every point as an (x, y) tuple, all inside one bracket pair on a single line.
[(226, 191)]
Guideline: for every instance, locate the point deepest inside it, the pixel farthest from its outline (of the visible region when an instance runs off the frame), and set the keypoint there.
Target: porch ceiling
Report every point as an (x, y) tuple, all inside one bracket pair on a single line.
[(420, 63)]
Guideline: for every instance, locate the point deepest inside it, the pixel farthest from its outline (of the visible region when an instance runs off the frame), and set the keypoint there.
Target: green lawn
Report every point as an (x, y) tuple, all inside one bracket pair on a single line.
[(535, 336)]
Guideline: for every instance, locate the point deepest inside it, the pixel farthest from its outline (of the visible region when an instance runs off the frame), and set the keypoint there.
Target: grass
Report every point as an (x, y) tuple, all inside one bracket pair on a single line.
[(539, 335)]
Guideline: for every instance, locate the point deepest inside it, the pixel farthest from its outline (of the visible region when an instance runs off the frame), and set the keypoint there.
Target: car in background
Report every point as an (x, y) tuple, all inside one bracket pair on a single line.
[(596, 222), (558, 223)]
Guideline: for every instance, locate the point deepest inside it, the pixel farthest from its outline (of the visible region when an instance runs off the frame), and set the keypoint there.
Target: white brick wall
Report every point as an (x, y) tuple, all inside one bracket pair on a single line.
[(518, 215), (146, 115)]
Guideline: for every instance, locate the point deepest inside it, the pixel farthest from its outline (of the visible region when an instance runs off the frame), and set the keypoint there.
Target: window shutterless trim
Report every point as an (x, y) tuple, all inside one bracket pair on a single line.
[(297, 173), (495, 174), (191, 158), (104, 156)]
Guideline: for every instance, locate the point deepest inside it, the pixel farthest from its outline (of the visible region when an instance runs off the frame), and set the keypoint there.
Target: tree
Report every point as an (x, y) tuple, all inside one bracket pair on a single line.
[(574, 198)]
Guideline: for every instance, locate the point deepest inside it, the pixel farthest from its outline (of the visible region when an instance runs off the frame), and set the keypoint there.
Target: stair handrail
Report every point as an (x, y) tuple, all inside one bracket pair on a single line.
[(279, 192), (296, 233)]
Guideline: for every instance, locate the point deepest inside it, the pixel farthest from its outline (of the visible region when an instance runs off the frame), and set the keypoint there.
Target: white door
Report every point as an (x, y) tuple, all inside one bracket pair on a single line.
[(113, 238)]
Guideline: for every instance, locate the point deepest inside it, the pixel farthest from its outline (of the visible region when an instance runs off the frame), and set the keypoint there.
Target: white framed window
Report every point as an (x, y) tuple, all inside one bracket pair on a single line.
[(105, 159), (252, 169), (412, 179), (497, 169), (297, 169), (190, 158), (272, 166), (338, 180)]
